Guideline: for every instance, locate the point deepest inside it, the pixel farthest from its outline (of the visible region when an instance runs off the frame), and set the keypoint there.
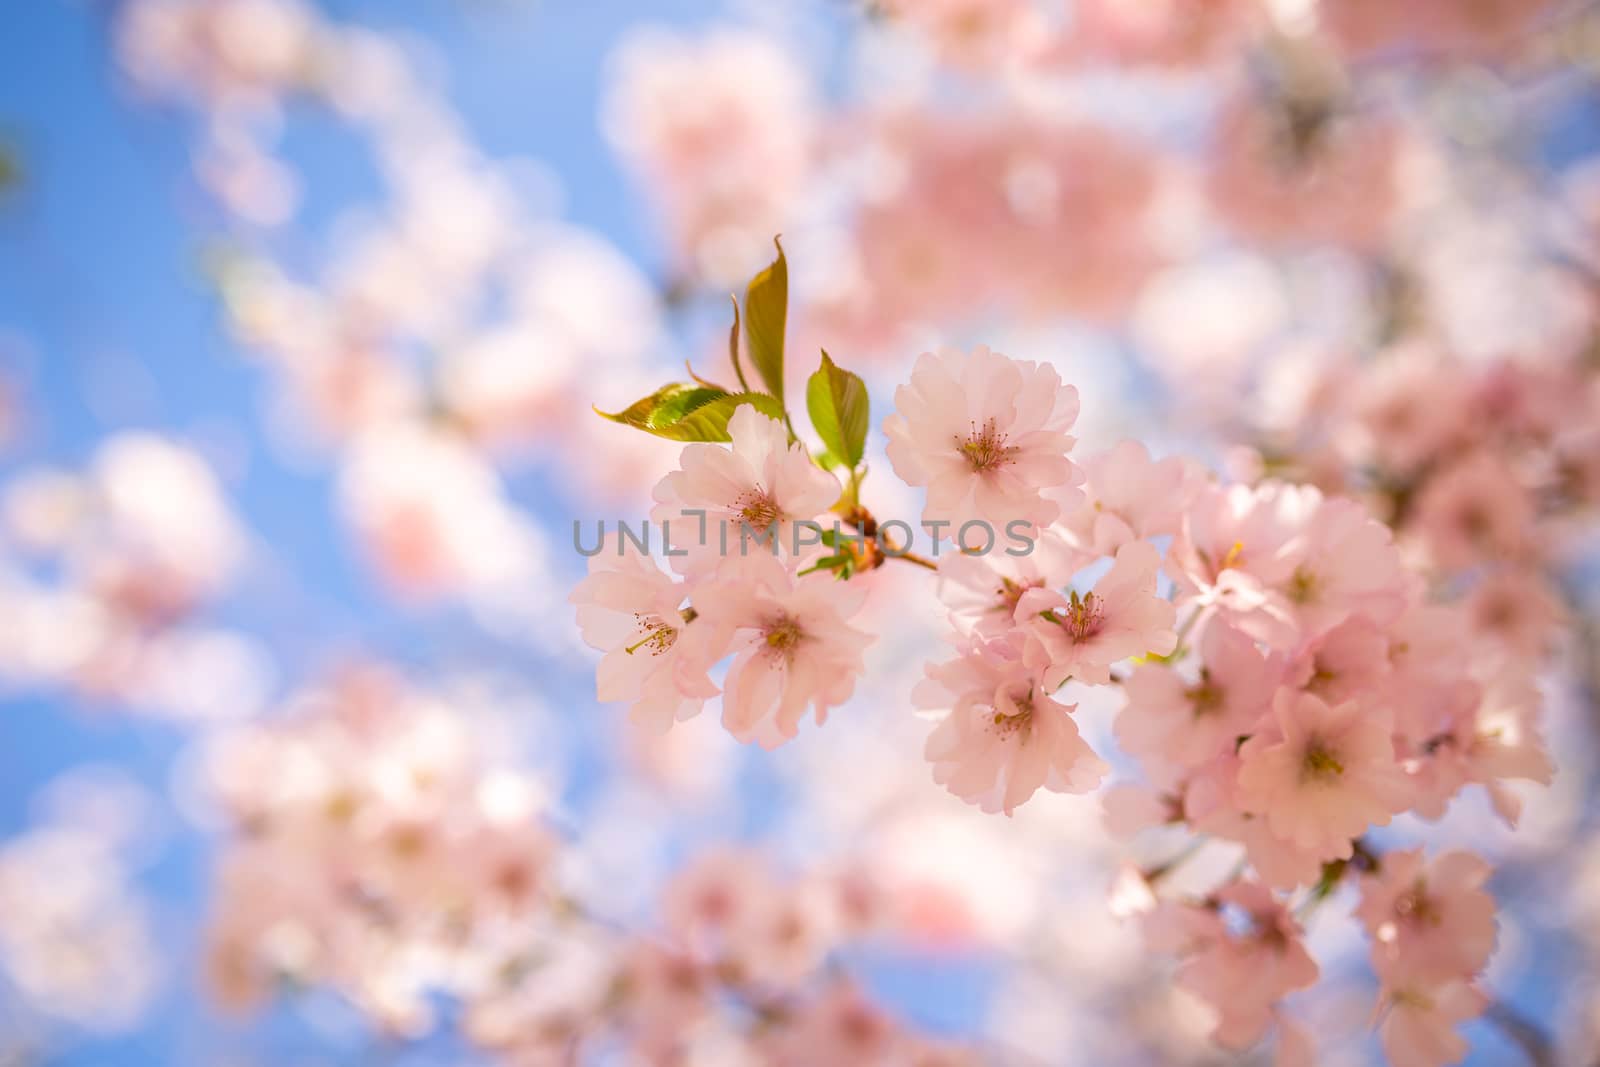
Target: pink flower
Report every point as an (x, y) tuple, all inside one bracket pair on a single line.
[(712, 897), (632, 611), (721, 129), (1425, 668), (1412, 404), (1234, 546), (1295, 1047), (1130, 808), (1159, 32), (977, 34), (1337, 184), (1243, 957), (1004, 737), (1475, 511), (1480, 28), (1286, 565), (761, 484), (1325, 775), (1516, 609), (666, 991), (1212, 805), (1182, 722), (1418, 1028), (792, 645), (1082, 636), (1348, 661), (1434, 918), (982, 591), (1345, 564), (1128, 497), (986, 435), (1484, 734), (839, 1025)]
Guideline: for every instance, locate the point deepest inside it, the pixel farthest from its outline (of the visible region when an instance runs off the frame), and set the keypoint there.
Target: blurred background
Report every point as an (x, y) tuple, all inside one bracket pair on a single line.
[(303, 309)]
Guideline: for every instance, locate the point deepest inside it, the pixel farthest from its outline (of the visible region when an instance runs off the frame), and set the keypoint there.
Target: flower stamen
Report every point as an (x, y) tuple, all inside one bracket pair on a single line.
[(986, 449)]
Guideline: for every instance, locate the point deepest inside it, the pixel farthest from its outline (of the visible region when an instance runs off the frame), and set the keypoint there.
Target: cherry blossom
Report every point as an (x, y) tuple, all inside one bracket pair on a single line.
[(1335, 523), (1432, 917), (751, 493), (1185, 722), (1004, 737), (1127, 496), (1418, 1027), (1082, 635), (1325, 774), (634, 613), (792, 643), (986, 435), (1243, 954)]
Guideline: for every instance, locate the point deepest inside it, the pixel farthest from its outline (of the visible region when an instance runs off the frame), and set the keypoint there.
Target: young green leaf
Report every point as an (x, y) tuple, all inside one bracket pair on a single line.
[(827, 460), (837, 401), (682, 412), (766, 313), (733, 345)]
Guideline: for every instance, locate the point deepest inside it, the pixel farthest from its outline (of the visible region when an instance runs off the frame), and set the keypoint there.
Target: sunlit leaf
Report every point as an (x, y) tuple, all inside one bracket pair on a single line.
[(687, 412), (837, 401), (766, 313)]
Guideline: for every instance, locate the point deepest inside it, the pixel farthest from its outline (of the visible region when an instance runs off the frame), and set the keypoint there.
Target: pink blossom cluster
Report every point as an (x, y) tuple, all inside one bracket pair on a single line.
[(1057, 185), (1328, 694), (1314, 690), (971, 215), (377, 849), (1345, 634), (788, 631), (107, 574), (369, 829), (79, 946), (989, 37), (405, 349), (722, 126), (1485, 472)]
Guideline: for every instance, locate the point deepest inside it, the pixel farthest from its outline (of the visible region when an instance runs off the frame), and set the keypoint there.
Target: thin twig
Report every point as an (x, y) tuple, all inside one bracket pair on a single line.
[(1526, 1034)]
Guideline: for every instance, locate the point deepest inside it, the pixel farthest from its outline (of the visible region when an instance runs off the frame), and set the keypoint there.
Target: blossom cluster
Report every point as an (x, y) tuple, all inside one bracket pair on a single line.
[(928, 216), (1347, 629), (1315, 688), (388, 857), (107, 574)]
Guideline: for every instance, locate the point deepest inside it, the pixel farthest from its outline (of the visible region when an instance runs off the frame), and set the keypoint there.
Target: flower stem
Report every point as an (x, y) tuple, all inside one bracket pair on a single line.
[(1523, 1032)]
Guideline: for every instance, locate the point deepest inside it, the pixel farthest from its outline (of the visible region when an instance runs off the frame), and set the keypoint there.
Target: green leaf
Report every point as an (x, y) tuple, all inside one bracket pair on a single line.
[(683, 412), (827, 460), (766, 313), (733, 345), (837, 401)]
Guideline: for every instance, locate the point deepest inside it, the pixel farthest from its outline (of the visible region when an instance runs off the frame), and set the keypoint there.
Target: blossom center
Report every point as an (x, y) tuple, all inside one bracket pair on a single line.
[(1084, 616), (757, 509), (1006, 725), (1205, 698), (1416, 907), (1474, 521), (1320, 763), (783, 635), (1009, 594), (1233, 556), (1304, 587), (986, 448), (658, 636)]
